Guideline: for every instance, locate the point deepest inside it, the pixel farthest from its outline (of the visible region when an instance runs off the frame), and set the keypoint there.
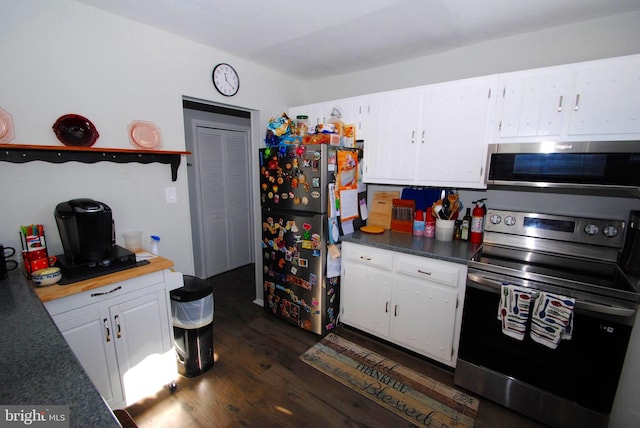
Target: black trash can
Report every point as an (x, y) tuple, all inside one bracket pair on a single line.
[(192, 314)]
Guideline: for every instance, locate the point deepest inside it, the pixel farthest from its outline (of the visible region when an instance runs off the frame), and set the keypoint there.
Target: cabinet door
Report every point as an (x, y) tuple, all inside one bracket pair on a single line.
[(605, 99), (533, 105), (90, 335), (365, 297), (392, 135), (143, 344), (423, 316), (455, 124)]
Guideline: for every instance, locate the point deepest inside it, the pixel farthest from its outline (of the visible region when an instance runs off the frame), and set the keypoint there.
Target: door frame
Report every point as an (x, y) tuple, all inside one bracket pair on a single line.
[(193, 178)]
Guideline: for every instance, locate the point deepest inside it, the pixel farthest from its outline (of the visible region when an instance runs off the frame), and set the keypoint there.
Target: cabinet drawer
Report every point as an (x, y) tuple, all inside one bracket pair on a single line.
[(433, 270), (367, 255), (103, 293)]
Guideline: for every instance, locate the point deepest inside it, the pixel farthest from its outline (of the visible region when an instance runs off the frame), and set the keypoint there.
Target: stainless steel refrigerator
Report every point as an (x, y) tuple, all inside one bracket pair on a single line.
[(300, 223)]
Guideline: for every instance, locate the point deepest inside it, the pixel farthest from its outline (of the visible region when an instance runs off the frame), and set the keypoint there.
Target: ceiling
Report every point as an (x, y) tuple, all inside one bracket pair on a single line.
[(313, 39)]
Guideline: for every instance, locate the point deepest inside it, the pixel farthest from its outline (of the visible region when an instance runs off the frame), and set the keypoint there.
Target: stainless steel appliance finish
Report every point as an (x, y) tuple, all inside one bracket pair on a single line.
[(595, 167), (574, 384)]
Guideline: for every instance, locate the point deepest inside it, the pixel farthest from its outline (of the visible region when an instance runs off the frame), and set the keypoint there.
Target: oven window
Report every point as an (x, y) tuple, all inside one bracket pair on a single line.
[(584, 369), (559, 164)]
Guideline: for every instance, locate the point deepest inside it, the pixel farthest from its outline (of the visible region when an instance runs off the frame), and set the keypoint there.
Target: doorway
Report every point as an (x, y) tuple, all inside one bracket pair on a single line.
[(220, 196)]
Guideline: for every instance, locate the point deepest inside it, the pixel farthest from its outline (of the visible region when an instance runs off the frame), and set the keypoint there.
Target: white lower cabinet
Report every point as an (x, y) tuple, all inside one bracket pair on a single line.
[(122, 336), (412, 301)]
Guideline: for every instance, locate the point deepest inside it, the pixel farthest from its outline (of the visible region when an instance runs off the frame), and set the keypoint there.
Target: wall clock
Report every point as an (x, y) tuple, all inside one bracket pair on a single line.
[(225, 79)]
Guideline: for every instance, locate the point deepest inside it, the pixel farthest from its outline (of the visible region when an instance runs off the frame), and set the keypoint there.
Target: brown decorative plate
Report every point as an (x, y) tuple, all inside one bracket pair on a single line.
[(75, 130)]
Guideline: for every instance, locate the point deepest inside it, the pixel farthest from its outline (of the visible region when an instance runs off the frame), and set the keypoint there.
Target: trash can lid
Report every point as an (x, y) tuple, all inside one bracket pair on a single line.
[(193, 289)]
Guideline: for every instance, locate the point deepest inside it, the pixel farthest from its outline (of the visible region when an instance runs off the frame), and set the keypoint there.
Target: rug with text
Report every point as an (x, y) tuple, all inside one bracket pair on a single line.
[(413, 396)]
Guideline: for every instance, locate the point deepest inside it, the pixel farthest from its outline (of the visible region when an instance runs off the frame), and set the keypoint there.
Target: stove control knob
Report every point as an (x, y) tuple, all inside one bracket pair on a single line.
[(610, 231), (591, 229), (509, 220), (495, 219)]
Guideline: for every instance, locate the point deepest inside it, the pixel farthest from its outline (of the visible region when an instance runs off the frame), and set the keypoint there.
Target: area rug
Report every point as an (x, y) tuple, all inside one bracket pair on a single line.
[(411, 395)]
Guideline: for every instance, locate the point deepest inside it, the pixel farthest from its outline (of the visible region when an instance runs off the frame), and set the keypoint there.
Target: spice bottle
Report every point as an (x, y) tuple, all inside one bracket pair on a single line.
[(466, 225)]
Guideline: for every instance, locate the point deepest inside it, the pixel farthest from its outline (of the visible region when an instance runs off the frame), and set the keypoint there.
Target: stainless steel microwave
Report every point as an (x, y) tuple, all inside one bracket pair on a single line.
[(609, 168)]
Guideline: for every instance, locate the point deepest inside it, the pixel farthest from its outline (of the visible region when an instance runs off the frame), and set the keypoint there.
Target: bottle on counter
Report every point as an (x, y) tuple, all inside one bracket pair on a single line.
[(419, 223), (154, 244), (457, 230), (430, 225), (466, 225)]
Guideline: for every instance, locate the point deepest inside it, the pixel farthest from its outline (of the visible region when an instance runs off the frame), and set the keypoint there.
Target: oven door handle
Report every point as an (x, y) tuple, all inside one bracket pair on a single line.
[(494, 287)]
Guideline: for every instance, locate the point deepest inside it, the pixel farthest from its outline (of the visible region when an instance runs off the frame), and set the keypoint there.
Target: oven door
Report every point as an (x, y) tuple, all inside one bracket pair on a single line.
[(577, 381)]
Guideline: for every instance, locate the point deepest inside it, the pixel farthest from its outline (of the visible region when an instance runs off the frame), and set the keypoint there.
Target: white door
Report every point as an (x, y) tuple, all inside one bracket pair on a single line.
[(223, 163)]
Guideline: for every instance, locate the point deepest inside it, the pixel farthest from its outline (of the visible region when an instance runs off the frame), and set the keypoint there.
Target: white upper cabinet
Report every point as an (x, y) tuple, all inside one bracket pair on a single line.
[(392, 133), (454, 129), (606, 99), (532, 104), (432, 135), (596, 100)]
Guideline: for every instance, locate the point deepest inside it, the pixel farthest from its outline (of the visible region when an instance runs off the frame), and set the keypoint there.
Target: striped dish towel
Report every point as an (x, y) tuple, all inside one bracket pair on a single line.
[(552, 319), (513, 310)]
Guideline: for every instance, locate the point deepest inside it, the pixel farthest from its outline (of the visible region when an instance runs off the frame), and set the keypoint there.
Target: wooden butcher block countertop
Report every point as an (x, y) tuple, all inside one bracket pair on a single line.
[(56, 291)]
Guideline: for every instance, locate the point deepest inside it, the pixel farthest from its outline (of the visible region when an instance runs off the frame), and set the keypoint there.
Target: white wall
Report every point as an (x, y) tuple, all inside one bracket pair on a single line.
[(603, 38), (66, 57)]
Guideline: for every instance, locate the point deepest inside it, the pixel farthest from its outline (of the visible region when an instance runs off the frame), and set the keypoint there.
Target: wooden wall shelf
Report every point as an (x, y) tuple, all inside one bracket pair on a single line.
[(19, 153)]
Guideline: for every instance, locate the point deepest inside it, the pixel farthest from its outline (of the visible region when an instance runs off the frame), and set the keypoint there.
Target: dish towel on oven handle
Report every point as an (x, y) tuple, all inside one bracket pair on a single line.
[(552, 319), (513, 310)]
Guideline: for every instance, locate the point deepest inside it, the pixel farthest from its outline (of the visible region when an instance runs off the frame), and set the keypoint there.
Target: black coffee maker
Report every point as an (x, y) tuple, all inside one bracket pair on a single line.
[(86, 231), (88, 239), (630, 259)]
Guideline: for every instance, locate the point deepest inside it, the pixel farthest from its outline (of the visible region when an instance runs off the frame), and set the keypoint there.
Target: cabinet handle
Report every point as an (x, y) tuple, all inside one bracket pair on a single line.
[(119, 335), (386, 308), (365, 258), (423, 136), (413, 136), (395, 310), (560, 103), (426, 273), (575, 107), (106, 292), (106, 326)]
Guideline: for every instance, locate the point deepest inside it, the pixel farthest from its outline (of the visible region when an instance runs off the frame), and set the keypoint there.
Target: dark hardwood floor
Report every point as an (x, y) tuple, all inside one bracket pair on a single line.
[(258, 380)]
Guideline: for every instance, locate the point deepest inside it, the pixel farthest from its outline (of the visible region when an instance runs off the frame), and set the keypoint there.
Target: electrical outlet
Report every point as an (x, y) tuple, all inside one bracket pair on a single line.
[(170, 195)]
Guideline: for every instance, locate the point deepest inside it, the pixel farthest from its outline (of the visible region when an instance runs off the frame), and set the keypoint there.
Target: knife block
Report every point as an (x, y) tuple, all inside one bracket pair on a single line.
[(402, 213)]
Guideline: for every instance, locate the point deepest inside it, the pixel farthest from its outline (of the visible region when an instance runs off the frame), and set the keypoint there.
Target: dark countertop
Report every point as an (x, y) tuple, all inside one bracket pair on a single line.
[(451, 251), (38, 367)]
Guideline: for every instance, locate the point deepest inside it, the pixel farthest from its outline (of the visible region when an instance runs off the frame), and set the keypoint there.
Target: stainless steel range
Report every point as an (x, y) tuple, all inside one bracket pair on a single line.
[(540, 256)]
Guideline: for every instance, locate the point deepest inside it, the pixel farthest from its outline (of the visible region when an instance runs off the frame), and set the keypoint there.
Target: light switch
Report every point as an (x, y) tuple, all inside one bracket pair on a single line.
[(170, 195)]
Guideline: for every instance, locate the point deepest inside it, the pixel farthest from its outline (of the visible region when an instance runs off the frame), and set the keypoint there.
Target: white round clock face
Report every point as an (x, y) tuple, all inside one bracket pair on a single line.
[(225, 79)]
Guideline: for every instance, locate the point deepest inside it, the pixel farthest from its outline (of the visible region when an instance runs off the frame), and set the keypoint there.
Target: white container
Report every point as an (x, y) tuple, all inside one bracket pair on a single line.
[(133, 240), (444, 229)]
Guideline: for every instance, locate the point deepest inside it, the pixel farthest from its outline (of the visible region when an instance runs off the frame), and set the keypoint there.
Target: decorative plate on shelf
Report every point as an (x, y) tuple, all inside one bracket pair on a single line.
[(75, 130), (145, 135), (6, 127)]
